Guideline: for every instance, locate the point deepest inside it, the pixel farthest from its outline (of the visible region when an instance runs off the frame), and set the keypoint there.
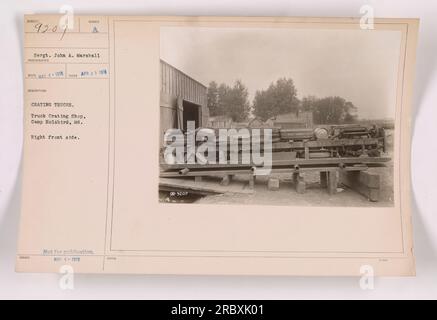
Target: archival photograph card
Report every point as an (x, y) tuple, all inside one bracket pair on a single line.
[(217, 145)]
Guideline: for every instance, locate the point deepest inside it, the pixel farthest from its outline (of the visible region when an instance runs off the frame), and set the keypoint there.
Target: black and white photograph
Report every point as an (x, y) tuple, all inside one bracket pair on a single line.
[(211, 156), (278, 116)]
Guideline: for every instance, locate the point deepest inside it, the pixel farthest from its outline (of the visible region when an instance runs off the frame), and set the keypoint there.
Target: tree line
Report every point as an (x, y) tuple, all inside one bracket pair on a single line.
[(279, 98)]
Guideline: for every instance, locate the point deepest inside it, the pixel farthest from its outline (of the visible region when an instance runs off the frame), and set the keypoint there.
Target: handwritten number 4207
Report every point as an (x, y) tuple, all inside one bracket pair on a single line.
[(45, 28)]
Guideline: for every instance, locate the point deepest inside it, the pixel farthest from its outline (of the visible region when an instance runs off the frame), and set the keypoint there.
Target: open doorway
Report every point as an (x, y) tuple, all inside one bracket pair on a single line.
[(191, 113)]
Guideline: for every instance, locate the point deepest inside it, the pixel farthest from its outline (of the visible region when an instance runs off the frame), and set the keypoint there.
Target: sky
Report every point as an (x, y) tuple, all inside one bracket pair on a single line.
[(358, 65)]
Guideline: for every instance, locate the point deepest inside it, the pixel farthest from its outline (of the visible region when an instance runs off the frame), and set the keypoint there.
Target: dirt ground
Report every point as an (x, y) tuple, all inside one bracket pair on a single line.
[(315, 195)]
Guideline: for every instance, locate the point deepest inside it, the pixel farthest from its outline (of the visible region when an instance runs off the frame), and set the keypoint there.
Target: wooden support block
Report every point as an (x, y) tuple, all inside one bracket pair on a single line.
[(324, 179), (226, 180), (372, 194), (273, 184), (332, 182), (301, 185), (251, 181), (365, 183), (371, 180), (299, 182), (197, 179)]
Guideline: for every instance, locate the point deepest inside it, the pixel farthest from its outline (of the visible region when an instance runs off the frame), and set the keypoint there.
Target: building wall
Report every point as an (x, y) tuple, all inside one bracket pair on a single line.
[(176, 84)]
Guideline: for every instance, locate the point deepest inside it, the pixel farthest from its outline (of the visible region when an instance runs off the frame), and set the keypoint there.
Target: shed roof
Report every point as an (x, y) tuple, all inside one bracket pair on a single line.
[(186, 75)]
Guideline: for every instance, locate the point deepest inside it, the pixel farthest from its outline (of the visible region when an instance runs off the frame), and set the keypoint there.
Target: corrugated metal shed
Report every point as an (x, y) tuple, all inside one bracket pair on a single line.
[(176, 83), (182, 98)]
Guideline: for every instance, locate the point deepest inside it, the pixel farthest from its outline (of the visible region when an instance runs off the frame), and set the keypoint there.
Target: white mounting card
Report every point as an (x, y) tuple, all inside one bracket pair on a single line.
[(103, 94)]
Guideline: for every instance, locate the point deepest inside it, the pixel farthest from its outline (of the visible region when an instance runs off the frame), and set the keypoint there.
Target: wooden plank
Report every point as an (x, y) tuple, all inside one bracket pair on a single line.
[(233, 171), (355, 168), (211, 187), (304, 169), (279, 156), (281, 145), (204, 173), (334, 143), (292, 162)]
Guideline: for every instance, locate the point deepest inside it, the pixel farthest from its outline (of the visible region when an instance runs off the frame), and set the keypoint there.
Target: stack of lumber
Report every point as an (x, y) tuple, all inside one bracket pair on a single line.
[(296, 134)]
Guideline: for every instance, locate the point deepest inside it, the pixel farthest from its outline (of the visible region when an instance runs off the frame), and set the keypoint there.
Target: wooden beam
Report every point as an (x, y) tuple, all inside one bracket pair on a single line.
[(334, 143), (323, 179), (366, 183), (251, 181), (234, 171), (278, 163), (299, 182), (332, 182), (204, 187)]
